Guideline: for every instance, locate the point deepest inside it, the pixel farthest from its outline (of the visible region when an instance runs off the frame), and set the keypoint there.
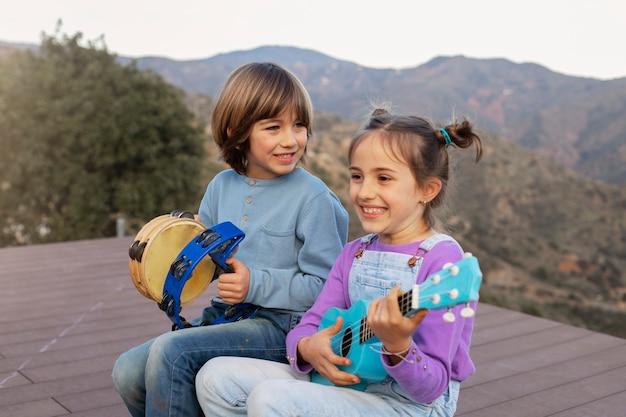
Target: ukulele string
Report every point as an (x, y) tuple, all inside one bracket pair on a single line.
[(365, 330), (404, 300)]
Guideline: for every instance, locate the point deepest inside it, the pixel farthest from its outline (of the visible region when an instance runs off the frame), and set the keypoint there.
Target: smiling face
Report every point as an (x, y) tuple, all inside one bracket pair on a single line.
[(385, 194), (276, 146)]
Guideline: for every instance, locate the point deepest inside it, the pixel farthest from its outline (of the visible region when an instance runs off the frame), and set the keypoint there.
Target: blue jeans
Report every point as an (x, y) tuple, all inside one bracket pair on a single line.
[(157, 378), (256, 388)]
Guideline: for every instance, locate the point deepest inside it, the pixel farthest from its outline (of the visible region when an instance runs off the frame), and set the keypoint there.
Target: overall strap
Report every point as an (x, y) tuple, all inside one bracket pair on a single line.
[(367, 239), (425, 246), (429, 243)]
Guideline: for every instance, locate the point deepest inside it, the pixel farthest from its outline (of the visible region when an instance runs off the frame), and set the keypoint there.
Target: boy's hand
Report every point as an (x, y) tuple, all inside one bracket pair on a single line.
[(233, 286)]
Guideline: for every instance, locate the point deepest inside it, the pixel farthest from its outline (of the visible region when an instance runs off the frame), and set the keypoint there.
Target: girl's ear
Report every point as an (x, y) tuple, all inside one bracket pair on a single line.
[(431, 188)]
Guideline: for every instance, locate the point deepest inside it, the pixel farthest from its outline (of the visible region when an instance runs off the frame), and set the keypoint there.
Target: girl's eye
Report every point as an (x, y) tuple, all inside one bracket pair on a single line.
[(273, 127), (383, 178), (355, 177)]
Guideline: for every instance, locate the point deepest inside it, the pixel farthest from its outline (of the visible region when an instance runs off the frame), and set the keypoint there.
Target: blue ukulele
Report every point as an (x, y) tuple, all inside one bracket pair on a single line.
[(455, 284)]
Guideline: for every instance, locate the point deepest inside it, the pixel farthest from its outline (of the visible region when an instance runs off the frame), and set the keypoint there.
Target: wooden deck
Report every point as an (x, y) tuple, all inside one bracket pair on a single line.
[(69, 309)]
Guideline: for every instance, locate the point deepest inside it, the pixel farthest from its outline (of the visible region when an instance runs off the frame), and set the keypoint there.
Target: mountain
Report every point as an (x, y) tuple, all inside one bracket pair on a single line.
[(577, 122)]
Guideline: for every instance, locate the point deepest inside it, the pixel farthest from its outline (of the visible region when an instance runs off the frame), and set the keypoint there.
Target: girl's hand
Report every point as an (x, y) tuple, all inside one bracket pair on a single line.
[(233, 286), (387, 322), (316, 351)]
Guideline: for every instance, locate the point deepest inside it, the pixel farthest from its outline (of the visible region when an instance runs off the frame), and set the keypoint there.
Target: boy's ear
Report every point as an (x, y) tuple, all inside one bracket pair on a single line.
[(229, 132), (431, 188)]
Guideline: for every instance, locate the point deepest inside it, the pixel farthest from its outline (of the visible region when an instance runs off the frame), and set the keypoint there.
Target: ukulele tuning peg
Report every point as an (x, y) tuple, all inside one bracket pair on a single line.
[(467, 255), (467, 312), (436, 299), (453, 294), (448, 317), (436, 279), (454, 270)]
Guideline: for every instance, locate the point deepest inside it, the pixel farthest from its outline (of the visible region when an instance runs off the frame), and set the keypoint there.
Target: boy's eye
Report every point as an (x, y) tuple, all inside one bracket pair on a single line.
[(355, 177)]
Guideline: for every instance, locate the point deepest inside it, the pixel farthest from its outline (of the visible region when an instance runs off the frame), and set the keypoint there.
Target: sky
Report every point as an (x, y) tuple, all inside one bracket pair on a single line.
[(572, 37)]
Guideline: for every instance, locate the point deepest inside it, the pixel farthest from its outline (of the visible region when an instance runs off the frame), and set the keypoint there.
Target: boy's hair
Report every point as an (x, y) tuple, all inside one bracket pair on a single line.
[(420, 144), (254, 92)]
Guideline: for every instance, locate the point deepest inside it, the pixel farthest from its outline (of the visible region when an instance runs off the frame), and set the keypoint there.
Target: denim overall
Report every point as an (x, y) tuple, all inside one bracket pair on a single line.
[(373, 275)]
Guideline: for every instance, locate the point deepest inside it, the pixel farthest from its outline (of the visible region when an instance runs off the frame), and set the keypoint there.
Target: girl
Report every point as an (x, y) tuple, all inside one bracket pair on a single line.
[(399, 174), (295, 227)]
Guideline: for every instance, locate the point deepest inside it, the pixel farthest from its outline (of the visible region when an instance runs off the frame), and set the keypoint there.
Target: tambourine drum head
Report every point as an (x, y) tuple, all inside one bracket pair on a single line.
[(163, 245), (138, 248)]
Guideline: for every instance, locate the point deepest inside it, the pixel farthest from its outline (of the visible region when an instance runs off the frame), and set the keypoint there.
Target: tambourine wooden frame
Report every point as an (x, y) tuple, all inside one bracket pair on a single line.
[(156, 246)]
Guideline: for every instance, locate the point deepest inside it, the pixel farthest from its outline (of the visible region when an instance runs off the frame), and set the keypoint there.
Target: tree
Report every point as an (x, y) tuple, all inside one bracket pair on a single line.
[(85, 140)]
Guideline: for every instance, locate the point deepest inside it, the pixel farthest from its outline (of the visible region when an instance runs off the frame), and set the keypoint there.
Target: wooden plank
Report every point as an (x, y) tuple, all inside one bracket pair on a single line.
[(70, 369), (67, 356), (88, 400), (50, 389), (513, 346), (539, 355), (610, 406), (38, 408), (117, 410), (13, 378), (557, 375), (559, 399), (511, 328)]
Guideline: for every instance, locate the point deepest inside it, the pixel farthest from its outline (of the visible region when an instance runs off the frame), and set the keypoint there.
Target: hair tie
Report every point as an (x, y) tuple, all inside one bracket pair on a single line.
[(446, 137)]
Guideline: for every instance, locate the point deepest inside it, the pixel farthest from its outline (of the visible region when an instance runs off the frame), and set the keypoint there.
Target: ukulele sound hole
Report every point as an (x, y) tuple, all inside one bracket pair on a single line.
[(346, 342)]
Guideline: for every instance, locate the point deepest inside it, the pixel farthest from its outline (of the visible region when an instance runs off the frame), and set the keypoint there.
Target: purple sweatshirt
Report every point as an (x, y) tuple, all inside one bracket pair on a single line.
[(440, 350)]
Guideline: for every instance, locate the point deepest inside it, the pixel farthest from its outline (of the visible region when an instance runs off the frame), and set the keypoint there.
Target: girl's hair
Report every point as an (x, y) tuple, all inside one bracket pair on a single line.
[(422, 145), (255, 92)]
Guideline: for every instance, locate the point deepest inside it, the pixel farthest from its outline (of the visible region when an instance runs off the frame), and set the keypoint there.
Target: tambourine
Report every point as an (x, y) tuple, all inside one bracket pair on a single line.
[(156, 246), (168, 262)]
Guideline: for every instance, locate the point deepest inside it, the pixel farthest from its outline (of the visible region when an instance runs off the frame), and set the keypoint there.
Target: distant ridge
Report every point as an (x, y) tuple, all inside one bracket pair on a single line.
[(287, 55)]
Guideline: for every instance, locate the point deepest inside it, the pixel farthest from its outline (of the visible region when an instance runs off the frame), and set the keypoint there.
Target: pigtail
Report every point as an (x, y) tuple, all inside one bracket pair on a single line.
[(379, 112), (460, 135)]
